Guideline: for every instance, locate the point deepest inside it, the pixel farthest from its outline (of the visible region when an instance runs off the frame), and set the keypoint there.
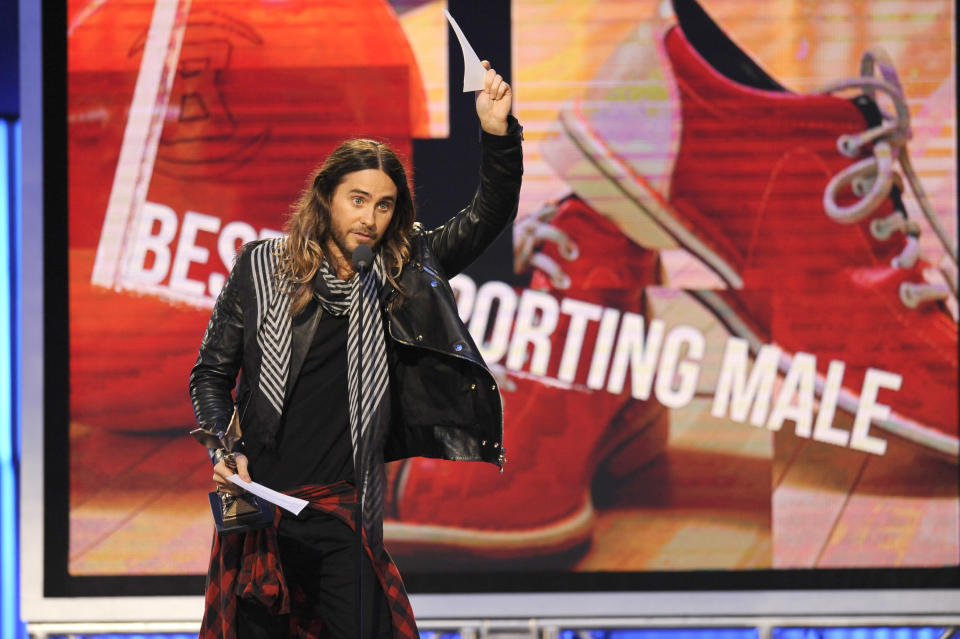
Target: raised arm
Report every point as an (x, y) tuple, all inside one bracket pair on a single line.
[(464, 237)]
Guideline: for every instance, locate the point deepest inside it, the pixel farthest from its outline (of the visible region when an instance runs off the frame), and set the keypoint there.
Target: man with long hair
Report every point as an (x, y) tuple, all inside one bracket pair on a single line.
[(343, 366)]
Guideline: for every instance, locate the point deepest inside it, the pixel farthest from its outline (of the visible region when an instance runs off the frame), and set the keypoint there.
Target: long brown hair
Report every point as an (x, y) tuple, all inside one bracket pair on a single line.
[(309, 223)]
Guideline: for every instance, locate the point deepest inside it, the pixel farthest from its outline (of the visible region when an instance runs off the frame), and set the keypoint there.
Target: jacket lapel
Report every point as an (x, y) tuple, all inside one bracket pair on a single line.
[(301, 336)]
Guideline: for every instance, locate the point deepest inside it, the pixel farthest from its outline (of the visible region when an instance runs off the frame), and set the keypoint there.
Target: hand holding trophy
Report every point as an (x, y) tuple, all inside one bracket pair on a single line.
[(232, 511)]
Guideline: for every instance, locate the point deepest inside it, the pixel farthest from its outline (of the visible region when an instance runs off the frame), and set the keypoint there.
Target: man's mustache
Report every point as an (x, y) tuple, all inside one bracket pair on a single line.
[(365, 231)]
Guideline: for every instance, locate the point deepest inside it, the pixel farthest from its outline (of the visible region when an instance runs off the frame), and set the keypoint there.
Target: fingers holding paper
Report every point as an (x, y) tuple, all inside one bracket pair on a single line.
[(222, 473), (493, 83), (494, 101)]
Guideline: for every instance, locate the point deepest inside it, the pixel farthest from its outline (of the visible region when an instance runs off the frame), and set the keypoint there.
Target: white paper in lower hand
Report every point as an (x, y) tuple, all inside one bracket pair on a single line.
[(473, 71), (293, 504)]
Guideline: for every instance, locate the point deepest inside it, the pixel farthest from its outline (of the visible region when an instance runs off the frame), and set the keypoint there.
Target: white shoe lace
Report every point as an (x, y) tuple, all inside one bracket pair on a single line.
[(530, 234), (872, 178)]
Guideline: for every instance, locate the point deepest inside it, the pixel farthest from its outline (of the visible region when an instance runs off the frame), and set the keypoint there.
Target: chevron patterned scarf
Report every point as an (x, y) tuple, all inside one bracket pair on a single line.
[(368, 377)]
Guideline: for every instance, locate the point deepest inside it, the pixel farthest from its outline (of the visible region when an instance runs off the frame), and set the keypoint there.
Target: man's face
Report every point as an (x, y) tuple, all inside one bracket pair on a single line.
[(360, 210)]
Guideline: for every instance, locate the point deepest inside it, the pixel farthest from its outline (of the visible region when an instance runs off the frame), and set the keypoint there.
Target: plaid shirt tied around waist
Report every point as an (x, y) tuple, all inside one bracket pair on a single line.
[(247, 565)]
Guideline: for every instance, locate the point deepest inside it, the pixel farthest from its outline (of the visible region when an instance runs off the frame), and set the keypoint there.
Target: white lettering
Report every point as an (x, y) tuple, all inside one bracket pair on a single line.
[(798, 383), (603, 348), (738, 393), (495, 347), (869, 410), (188, 252), (234, 235), (267, 234), (465, 292), (671, 367), (823, 429), (639, 353), (147, 242), (537, 318), (580, 314)]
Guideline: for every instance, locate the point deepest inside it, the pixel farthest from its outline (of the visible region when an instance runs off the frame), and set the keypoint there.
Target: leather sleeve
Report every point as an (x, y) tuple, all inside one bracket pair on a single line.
[(214, 374), (464, 237)]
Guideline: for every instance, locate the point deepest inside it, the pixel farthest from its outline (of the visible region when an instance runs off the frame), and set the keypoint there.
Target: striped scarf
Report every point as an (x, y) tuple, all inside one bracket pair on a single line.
[(368, 376)]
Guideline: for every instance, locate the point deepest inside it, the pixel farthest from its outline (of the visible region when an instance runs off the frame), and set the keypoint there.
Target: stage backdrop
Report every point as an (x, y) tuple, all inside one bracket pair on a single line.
[(724, 328)]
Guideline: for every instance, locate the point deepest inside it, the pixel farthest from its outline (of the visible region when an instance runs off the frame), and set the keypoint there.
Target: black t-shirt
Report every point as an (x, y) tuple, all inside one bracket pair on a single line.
[(313, 442)]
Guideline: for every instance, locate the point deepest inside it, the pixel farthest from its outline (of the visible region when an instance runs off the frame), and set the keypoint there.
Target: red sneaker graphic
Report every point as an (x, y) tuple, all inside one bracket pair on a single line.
[(793, 200), (557, 433)]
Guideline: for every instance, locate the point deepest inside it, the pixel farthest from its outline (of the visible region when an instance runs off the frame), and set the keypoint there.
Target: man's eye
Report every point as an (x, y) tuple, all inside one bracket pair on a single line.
[(358, 200), (384, 206)]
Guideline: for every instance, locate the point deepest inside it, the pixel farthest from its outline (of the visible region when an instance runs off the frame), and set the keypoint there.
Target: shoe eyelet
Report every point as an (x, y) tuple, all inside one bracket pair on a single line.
[(861, 185), (847, 145), (907, 296), (879, 230)]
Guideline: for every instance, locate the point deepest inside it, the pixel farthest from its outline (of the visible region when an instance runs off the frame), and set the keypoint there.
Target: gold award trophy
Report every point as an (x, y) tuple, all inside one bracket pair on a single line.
[(233, 513)]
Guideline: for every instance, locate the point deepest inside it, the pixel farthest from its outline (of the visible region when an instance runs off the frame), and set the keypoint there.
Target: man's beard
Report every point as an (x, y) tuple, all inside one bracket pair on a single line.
[(341, 244)]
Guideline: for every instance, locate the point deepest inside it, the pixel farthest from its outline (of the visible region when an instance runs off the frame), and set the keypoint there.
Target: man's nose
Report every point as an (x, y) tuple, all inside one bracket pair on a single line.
[(367, 217)]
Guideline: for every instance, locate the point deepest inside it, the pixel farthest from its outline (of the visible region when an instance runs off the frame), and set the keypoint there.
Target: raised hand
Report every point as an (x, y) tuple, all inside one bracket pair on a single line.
[(493, 102)]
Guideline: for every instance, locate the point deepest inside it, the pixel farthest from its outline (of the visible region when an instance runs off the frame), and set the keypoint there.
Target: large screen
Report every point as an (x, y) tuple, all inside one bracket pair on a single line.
[(724, 323)]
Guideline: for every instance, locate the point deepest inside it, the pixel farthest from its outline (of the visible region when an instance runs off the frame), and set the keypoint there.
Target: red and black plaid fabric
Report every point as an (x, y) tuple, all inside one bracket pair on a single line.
[(247, 565)]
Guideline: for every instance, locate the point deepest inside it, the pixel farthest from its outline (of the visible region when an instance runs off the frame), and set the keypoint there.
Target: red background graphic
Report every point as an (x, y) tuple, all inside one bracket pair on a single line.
[(597, 480)]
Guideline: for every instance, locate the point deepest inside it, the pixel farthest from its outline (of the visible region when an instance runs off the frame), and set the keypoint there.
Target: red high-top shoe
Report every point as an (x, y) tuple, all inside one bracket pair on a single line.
[(558, 430), (792, 200)]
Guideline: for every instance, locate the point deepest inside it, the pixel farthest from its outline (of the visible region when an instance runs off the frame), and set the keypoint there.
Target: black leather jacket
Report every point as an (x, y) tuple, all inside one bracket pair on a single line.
[(448, 404)]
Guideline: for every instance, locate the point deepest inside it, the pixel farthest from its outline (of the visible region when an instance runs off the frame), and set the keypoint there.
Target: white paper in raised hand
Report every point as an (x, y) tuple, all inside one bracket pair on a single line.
[(473, 71), (293, 504)]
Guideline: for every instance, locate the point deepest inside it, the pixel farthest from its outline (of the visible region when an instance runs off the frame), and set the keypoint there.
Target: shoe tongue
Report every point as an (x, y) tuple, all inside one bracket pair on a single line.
[(718, 49), (871, 114), (869, 109)]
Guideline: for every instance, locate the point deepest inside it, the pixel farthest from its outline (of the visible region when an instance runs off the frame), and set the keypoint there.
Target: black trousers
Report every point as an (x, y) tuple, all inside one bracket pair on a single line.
[(318, 553)]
